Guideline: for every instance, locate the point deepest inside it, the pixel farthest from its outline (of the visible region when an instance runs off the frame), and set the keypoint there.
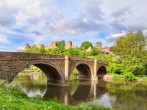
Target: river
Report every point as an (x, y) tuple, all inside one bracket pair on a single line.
[(109, 94)]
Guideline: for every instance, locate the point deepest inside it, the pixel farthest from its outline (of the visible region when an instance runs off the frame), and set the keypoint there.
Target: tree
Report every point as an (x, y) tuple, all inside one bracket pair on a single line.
[(34, 49), (61, 44), (129, 44), (85, 45), (42, 49), (131, 51), (98, 45)]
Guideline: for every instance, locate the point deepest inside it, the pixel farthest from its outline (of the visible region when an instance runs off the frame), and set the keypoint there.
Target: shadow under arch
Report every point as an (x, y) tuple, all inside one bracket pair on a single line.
[(52, 74), (101, 72), (84, 71)]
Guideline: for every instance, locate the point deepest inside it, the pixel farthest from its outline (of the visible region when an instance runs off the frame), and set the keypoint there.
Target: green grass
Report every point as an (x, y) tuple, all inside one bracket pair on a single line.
[(12, 99)]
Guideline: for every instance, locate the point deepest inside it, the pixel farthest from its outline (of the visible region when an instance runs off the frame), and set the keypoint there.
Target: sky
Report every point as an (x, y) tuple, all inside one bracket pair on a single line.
[(44, 21)]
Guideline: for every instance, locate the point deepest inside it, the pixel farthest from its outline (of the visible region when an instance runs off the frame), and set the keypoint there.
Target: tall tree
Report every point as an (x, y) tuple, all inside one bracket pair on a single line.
[(131, 47), (85, 44), (61, 44)]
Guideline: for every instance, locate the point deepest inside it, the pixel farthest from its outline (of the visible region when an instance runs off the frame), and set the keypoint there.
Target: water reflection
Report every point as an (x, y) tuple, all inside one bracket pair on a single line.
[(85, 92), (113, 95)]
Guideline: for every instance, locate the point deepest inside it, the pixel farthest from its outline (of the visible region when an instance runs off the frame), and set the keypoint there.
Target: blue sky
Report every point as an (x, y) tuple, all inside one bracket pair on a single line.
[(44, 21)]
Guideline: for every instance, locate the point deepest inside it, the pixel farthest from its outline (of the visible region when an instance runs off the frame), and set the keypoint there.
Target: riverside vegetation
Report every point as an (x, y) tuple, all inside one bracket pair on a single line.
[(126, 62)]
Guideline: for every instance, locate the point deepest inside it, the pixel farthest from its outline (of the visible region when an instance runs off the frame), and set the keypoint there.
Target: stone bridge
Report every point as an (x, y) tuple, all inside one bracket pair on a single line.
[(57, 68)]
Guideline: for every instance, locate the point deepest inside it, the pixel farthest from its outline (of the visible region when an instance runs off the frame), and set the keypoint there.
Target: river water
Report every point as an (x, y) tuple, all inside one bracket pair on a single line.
[(119, 96)]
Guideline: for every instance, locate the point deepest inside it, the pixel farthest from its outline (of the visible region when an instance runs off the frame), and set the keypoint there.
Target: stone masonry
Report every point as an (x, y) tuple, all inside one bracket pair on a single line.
[(57, 68)]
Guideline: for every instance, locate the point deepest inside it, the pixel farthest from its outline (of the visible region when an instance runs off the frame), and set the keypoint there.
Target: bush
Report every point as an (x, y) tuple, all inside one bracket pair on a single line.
[(72, 51), (114, 68), (130, 76), (140, 71), (94, 51)]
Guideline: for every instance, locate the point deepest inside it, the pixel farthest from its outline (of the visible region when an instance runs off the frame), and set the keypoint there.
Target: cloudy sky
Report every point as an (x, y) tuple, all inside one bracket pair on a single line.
[(44, 21)]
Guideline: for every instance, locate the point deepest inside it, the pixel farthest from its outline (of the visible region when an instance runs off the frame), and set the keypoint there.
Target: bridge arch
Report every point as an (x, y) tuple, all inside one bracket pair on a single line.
[(51, 72), (83, 69), (101, 71)]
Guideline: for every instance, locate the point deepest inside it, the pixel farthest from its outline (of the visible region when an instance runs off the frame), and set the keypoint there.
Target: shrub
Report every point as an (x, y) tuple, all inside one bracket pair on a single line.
[(130, 76), (114, 68)]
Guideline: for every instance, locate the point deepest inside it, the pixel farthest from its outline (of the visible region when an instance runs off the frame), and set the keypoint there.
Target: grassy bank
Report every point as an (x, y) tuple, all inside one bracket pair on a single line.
[(124, 78), (12, 99)]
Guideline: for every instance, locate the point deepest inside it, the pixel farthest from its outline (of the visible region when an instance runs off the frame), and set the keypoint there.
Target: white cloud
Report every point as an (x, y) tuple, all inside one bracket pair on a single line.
[(116, 35), (3, 39), (112, 37)]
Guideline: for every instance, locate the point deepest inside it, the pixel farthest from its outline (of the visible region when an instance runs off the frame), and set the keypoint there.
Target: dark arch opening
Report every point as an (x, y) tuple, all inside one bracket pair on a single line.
[(101, 72), (51, 73), (35, 77), (84, 72)]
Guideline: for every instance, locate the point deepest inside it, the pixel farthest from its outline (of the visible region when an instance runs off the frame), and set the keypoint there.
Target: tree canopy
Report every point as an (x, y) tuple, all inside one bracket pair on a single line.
[(130, 44), (132, 53), (61, 44), (85, 44)]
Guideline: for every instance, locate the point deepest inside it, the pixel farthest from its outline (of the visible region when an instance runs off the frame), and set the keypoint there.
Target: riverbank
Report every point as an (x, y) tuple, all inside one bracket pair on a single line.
[(123, 78), (13, 99)]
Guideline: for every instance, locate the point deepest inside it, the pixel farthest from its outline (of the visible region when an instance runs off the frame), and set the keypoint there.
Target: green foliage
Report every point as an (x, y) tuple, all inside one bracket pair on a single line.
[(130, 77), (61, 44), (140, 71), (61, 51), (85, 44), (33, 49), (41, 49), (72, 51), (114, 68), (132, 54), (144, 78), (91, 107), (129, 44), (101, 56), (55, 51), (98, 45), (74, 74), (93, 52), (131, 47), (75, 52)]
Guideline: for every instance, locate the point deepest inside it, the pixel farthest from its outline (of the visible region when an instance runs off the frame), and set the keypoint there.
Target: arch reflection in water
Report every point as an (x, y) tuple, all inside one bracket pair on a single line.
[(79, 90), (86, 91)]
